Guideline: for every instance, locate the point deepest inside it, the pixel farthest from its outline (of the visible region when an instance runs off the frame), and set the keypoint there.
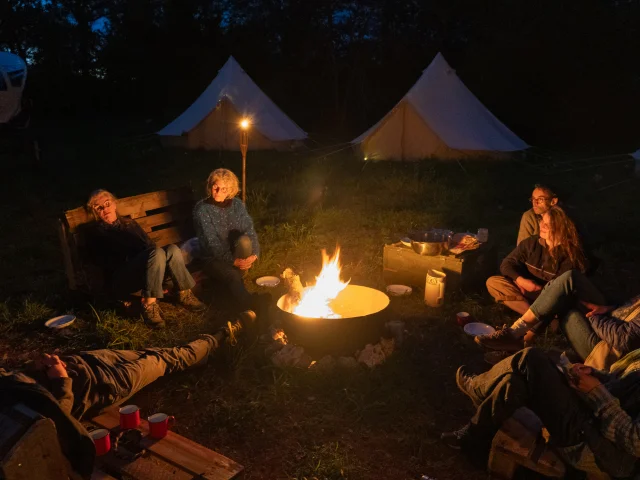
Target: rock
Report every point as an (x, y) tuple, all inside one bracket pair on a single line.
[(325, 365), (347, 362), (372, 355), (291, 356), (388, 346)]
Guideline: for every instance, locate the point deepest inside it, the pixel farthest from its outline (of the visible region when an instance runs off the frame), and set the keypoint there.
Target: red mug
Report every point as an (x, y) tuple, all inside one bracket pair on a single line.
[(463, 318), (159, 424), (101, 440), (129, 417)]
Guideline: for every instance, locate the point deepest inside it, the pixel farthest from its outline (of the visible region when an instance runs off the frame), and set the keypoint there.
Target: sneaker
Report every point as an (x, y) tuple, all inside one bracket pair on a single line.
[(152, 315), (457, 439), (464, 381), (187, 299), (501, 339)]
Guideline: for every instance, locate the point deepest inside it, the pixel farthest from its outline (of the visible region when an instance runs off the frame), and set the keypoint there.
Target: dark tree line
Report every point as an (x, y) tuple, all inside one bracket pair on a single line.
[(558, 72)]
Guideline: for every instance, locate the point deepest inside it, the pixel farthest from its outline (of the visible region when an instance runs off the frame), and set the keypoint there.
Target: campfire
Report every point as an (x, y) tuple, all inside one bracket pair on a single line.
[(332, 316), (314, 301)]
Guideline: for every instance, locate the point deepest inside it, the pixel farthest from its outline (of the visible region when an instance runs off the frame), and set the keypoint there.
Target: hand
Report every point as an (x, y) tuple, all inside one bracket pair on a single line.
[(245, 263), (52, 365), (528, 285), (582, 380), (595, 309)]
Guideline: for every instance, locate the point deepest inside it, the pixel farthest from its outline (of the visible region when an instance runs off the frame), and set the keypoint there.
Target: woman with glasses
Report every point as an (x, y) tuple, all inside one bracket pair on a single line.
[(228, 242), (527, 269), (130, 261), (542, 199)]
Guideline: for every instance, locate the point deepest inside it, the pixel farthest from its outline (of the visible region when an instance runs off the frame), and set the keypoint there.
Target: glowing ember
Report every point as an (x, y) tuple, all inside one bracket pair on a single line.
[(315, 300)]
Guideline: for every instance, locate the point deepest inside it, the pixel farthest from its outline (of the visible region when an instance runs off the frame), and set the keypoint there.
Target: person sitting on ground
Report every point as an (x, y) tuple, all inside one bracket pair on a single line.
[(537, 260), (70, 388), (130, 261), (591, 416), (583, 320), (228, 241), (542, 199)]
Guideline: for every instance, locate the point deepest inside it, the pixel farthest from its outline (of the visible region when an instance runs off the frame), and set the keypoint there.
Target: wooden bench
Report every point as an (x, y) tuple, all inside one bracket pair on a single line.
[(173, 457), (522, 442), (165, 215)]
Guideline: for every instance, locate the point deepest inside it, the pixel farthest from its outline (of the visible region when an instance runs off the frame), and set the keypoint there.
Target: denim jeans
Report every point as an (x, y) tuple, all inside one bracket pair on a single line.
[(147, 272), (560, 297), (231, 276)]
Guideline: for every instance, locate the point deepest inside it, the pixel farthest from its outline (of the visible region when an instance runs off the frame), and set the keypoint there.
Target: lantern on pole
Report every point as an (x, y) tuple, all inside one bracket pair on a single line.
[(244, 145)]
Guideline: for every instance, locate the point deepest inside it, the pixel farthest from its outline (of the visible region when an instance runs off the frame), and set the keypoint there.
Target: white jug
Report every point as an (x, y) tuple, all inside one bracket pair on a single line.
[(434, 288)]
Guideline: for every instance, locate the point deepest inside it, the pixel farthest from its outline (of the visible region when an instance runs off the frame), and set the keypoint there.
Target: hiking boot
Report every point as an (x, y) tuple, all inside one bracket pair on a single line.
[(457, 439), (244, 321), (501, 339), (464, 381), (152, 315), (188, 300)]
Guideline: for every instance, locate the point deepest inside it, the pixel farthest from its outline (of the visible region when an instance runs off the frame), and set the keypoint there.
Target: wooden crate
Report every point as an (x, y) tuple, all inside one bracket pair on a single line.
[(165, 215), (467, 271)]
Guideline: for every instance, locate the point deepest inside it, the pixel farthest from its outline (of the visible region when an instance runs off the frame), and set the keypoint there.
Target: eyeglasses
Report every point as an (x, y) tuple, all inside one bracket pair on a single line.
[(218, 188), (99, 208), (539, 200)]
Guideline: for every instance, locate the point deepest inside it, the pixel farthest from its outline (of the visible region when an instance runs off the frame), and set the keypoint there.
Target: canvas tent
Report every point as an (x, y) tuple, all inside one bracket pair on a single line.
[(13, 75), (438, 117), (212, 121)]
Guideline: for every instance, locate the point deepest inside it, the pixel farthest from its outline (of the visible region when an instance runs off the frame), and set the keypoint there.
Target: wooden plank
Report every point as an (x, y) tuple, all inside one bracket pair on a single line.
[(169, 235), (66, 255), (142, 468), (178, 450), (178, 213)]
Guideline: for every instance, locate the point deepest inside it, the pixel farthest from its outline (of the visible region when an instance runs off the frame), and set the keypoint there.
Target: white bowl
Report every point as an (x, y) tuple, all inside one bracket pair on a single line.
[(268, 281), (476, 328), (62, 321), (398, 290)]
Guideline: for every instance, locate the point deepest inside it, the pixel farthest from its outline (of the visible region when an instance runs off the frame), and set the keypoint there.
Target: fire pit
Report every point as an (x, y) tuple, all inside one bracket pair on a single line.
[(333, 317), (363, 315)]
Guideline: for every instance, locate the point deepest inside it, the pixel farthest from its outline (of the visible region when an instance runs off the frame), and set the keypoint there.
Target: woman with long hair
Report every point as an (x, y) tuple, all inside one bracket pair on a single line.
[(527, 269)]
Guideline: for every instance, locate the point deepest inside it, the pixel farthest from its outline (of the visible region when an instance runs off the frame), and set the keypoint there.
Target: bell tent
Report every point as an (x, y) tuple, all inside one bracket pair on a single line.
[(13, 75), (212, 121), (439, 117)]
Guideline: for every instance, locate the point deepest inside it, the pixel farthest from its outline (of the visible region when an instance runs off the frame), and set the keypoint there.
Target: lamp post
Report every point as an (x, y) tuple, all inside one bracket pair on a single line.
[(244, 145)]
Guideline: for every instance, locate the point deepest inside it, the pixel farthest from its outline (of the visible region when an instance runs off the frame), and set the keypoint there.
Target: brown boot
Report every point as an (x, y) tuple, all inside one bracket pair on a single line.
[(188, 300), (501, 339), (152, 315)]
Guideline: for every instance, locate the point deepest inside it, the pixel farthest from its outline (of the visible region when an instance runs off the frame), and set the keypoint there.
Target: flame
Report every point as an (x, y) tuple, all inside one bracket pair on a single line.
[(315, 300)]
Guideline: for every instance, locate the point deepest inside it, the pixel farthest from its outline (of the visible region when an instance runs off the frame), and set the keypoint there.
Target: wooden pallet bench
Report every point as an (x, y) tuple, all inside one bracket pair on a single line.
[(522, 442), (165, 215), (173, 457)]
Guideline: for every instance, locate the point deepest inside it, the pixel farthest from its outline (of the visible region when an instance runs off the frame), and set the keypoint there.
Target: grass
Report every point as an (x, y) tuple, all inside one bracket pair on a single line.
[(292, 424)]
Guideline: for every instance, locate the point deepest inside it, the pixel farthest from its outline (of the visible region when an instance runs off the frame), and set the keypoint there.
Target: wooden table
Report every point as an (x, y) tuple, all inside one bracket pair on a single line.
[(173, 457)]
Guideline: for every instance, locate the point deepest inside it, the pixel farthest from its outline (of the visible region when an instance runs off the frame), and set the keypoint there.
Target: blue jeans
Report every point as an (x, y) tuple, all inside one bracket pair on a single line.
[(147, 270), (231, 276), (560, 297)]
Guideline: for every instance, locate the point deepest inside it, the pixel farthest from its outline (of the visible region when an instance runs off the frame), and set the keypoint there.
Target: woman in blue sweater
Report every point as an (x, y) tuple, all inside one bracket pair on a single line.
[(228, 242)]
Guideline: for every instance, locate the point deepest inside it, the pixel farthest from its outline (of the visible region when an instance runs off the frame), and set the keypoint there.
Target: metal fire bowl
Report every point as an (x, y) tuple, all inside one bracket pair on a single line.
[(364, 313)]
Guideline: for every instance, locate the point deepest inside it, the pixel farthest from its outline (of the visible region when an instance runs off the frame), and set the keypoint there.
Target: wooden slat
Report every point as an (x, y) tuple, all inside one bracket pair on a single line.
[(142, 468), (178, 450), (169, 235), (135, 206), (181, 213)]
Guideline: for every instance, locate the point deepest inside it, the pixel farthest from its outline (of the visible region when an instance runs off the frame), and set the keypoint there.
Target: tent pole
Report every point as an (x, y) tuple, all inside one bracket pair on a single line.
[(244, 144)]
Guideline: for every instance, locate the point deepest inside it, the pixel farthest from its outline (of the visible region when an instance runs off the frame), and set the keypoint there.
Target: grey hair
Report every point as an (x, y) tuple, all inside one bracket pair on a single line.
[(92, 198), (227, 176)]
